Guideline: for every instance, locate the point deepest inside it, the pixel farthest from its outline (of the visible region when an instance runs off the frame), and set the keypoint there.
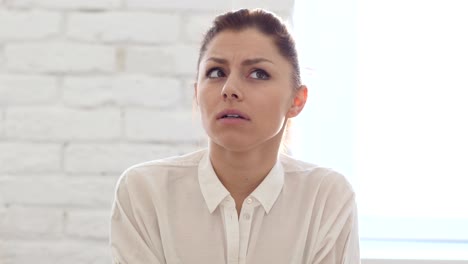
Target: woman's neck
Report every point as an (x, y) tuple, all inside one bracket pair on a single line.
[(242, 171)]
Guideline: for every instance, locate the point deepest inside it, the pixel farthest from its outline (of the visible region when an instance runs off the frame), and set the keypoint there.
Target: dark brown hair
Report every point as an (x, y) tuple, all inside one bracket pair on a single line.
[(266, 23)]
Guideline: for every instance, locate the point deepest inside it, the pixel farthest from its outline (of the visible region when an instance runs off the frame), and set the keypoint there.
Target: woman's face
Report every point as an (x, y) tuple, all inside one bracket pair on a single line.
[(244, 90)]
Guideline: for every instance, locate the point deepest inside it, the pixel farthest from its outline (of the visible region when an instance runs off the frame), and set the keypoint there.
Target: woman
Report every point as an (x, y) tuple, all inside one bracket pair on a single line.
[(240, 200)]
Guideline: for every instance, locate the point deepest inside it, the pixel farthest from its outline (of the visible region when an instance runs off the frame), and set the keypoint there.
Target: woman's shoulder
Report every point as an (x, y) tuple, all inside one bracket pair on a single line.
[(185, 160), (325, 191), (310, 174), (154, 169)]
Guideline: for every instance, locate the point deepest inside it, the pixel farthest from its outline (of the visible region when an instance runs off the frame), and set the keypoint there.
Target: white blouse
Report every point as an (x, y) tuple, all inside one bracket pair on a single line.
[(177, 211)]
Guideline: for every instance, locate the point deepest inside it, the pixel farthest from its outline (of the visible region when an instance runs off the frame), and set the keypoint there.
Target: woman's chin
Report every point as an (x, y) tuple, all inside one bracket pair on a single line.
[(231, 144), (243, 145)]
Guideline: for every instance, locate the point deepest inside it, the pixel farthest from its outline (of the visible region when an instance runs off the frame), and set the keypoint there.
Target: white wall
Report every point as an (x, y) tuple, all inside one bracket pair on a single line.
[(88, 88)]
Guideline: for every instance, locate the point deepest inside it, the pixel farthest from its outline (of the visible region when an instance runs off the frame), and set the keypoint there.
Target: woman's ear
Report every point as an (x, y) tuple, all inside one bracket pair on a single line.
[(298, 101)]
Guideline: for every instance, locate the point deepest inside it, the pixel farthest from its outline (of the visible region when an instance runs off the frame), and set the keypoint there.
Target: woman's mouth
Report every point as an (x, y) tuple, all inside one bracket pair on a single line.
[(232, 114)]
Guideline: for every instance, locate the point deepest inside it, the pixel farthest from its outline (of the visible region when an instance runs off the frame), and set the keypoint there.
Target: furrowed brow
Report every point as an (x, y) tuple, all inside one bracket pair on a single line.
[(246, 62), (249, 62), (217, 60)]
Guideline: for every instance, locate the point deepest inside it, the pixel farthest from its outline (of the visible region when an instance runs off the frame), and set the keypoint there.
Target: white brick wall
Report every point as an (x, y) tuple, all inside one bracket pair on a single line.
[(29, 157), (29, 25), (2, 58), (27, 89), (54, 190), (180, 4), (60, 124), (87, 89), (173, 60), (2, 117), (124, 90), (60, 57), (135, 27), (195, 27), (112, 158), (66, 4), (31, 222), (170, 126), (85, 223)]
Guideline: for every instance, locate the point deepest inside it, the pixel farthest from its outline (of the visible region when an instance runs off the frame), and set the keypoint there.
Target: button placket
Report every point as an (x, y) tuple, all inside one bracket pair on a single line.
[(231, 224), (245, 225), (246, 216)]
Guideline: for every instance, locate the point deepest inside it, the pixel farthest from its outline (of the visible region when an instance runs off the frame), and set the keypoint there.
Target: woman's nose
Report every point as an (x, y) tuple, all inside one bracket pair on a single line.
[(231, 91), (230, 95)]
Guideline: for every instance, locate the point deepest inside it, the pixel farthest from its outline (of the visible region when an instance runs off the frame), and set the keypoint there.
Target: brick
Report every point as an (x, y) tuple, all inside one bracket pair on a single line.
[(88, 223), (27, 89), (175, 60), (180, 4), (27, 222), (28, 25), (67, 4), (57, 190), (127, 90), (2, 123), (2, 59), (60, 57), (3, 209), (135, 27), (174, 126), (29, 157), (54, 252), (196, 26), (56, 123), (115, 158)]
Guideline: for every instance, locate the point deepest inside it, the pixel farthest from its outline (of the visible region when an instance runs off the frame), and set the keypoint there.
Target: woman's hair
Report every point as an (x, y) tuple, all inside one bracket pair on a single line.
[(265, 22)]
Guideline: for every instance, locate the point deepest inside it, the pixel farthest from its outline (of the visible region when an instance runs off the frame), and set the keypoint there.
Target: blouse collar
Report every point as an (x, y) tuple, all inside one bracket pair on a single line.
[(214, 191)]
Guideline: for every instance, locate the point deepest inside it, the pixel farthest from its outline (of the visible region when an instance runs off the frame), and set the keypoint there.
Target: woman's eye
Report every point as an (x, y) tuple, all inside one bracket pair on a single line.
[(215, 73), (259, 74)]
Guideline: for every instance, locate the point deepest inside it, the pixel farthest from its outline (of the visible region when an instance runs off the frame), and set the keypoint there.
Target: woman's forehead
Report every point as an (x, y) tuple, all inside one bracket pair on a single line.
[(245, 44)]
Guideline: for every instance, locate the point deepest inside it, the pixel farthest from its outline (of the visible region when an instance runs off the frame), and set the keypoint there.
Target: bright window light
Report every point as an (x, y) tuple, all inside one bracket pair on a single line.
[(388, 107)]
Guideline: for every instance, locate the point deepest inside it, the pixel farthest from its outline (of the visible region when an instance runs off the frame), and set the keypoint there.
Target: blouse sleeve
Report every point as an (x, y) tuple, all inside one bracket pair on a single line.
[(351, 252), (338, 237), (134, 234)]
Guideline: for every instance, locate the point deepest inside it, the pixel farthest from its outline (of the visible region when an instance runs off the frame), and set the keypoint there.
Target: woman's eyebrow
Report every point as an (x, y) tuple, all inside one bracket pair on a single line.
[(246, 62), (217, 60), (255, 61)]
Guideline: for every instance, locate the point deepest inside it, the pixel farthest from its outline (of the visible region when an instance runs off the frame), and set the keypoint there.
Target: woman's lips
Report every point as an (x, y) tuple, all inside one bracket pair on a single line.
[(232, 114)]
